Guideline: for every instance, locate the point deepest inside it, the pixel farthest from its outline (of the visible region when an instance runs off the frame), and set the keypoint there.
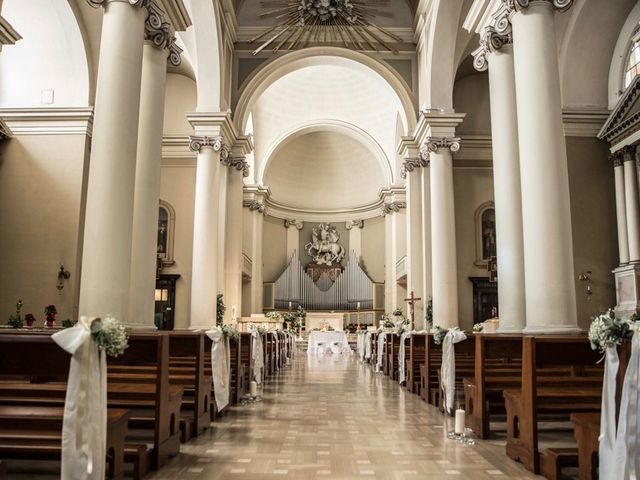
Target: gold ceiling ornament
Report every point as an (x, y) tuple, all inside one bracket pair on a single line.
[(349, 22)]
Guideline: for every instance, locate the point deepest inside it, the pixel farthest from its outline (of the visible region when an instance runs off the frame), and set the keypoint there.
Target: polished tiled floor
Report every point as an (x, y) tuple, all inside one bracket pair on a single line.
[(332, 417)]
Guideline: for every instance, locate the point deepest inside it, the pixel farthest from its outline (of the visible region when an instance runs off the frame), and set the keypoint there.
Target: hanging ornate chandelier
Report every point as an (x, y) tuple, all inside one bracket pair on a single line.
[(348, 22)]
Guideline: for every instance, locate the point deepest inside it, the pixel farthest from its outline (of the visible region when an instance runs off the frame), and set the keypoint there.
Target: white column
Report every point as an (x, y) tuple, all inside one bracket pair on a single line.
[(148, 166), (204, 277), (427, 283), (443, 233), (106, 256), (257, 220), (222, 227), (355, 236), (546, 214), (390, 267), (621, 214), (496, 52), (412, 171), (293, 236), (632, 206), (233, 250)]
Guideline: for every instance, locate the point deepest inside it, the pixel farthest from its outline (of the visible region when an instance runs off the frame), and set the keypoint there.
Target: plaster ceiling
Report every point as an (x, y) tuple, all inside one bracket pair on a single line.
[(324, 170)]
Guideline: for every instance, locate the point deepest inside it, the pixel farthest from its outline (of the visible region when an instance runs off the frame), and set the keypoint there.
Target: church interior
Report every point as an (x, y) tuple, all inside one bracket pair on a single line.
[(304, 239)]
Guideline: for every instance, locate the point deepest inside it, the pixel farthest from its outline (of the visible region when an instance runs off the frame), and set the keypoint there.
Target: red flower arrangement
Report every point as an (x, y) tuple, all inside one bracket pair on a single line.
[(50, 315), (29, 319)]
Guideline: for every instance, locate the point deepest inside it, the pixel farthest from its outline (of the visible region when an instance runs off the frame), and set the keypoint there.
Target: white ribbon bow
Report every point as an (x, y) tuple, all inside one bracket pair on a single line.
[(402, 368), (381, 336), (84, 427), (367, 345), (257, 354), (448, 371), (220, 366)]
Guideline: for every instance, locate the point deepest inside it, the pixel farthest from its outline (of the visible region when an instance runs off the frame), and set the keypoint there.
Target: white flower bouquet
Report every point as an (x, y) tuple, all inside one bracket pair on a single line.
[(607, 331), (260, 330), (275, 316), (110, 335), (230, 331), (478, 327)]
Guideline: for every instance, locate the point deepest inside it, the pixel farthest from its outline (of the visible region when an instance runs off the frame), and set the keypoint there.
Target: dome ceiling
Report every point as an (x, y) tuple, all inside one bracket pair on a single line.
[(324, 171)]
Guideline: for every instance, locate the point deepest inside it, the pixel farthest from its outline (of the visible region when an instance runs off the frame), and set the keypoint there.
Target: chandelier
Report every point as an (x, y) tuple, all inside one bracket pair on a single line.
[(348, 22)]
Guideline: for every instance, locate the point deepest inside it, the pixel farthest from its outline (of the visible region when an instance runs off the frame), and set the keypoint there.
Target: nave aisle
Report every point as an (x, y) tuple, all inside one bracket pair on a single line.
[(329, 416)]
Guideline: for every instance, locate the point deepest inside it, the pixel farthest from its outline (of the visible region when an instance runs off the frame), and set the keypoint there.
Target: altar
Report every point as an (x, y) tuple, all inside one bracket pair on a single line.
[(316, 320), (323, 342)]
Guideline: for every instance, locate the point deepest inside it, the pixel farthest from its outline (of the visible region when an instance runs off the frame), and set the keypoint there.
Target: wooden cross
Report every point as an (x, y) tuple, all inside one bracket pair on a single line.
[(412, 303)]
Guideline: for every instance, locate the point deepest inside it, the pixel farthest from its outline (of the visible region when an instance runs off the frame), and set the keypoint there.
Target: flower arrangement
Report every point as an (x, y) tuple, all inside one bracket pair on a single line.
[(478, 327), (428, 316), (110, 335), (50, 313), (293, 322), (438, 334), (608, 331), (15, 321), (274, 316), (386, 322), (260, 330), (68, 323), (220, 309), (397, 312), (29, 319), (230, 331), (402, 327)]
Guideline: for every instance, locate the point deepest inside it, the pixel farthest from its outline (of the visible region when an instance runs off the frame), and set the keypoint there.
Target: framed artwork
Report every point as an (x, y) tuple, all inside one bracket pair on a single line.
[(485, 233), (166, 233)]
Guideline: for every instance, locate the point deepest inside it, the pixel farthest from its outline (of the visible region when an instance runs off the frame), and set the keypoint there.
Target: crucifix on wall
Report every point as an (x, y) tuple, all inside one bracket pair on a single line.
[(412, 307)]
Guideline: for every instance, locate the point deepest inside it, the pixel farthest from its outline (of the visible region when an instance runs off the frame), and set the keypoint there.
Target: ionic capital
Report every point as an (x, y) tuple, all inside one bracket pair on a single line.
[(197, 143), (491, 41), (239, 163), (410, 164), (349, 224), (255, 206), (160, 33), (433, 144), (560, 5), (103, 3), (292, 222), (393, 207)]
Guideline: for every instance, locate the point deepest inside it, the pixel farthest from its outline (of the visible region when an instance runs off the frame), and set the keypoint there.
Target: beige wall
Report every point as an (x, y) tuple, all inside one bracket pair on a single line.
[(373, 248), (593, 220), (471, 96), (473, 187), (41, 178), (274, 248), (180, 98), (177, 187)]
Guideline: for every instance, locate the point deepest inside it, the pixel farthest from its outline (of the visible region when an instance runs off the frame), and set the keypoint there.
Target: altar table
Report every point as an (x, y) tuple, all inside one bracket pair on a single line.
[(317, 319), (325, 340)]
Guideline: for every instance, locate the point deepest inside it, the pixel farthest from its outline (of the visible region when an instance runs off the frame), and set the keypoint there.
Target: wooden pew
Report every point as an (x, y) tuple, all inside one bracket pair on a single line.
[(34, 432), (392, 360), (565, 396), (246, 347), (415, 357)]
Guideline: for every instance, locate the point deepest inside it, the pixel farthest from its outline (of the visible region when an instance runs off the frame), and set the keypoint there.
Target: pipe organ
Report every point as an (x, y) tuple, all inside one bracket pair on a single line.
[(351, 287)]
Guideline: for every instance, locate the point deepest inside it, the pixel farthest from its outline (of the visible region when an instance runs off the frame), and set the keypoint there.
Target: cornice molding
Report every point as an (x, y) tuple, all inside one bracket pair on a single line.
[(177, 14), (48, 121), (176, 146), (213, 124), (582, 122), (246, 33), (618, 126), (292, 222), (8, 35), (350, 224), (561, 5), (436, 125)]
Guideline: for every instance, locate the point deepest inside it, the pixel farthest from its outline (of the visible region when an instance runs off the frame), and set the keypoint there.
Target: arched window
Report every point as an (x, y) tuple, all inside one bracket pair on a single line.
[(632, 68), (485, 233), (166, 230)]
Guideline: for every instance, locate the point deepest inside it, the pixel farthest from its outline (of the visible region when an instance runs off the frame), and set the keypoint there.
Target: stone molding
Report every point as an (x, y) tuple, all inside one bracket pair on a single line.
[(433, 144), (291, 222), (238, 163), (255, 206), (48, 121), (349, 224), (134, 3), (616, 160), (411, 164), (393, 207), (197, 143), (561, 5)]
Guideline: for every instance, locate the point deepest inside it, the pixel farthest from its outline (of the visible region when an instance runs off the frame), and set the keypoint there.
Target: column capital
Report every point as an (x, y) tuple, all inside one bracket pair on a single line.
[(292, 222), (255, 206), (490, 42), (103, 3), (349, 224), (616, 159), (197, 143), (561, 5), (160, 33), (239, 163), (411, 164), (393, 207), (626, 154), (433, 144)]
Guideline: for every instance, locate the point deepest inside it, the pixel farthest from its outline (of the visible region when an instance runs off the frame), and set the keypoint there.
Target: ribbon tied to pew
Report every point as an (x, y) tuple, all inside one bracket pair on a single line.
[(220, 366), (85, 408), (618, 451), (379, 352), (257, 354), (448, 372), (402, 366)]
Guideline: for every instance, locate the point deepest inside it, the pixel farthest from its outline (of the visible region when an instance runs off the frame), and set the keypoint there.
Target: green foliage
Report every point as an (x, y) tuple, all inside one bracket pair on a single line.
[(68, 323), (15, 321), (429, 313), (220, 309)]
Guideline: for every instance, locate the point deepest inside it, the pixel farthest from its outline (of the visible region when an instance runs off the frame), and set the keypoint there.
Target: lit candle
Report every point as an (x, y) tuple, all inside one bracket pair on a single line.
[(253, 389), (290, 305), (358, 307), (459, 425)]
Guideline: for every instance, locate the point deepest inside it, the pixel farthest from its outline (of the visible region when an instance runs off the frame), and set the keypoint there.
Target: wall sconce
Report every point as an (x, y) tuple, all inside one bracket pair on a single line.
[(586, 277), (62, 276)]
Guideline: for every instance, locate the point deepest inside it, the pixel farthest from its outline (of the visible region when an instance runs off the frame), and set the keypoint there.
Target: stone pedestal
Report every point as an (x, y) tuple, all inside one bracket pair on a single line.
[(627, 279)]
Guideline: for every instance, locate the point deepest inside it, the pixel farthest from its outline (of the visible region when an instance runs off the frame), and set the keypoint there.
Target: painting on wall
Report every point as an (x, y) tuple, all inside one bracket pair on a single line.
[(486, 246), (166, 227)]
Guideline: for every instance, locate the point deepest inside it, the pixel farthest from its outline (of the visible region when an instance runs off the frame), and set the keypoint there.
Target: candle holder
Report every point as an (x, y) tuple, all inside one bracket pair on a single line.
[(465, 438)]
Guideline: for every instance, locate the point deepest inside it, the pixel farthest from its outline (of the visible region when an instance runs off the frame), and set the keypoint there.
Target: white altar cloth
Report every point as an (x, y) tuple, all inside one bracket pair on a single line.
[(326, 339)]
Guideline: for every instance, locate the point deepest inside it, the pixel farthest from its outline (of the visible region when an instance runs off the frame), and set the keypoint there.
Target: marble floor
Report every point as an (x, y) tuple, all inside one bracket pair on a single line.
[(329, 416)]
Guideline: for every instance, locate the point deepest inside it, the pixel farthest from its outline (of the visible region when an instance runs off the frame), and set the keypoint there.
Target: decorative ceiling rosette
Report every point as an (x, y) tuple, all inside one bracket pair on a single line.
[(347, 22)]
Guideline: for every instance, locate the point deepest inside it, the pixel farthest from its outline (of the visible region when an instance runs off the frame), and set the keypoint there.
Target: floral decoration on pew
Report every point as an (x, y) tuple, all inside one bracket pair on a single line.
[(274, 316), (261, 330), (221, 308), (478, 327), (402, 327), (438, 334), (230, 331), (386, 321), (608, 331), (110, 335)]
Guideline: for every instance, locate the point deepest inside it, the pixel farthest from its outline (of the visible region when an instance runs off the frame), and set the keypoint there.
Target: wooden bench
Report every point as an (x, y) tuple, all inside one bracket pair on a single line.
[(247, 362), (559, 397), (415, 357)]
